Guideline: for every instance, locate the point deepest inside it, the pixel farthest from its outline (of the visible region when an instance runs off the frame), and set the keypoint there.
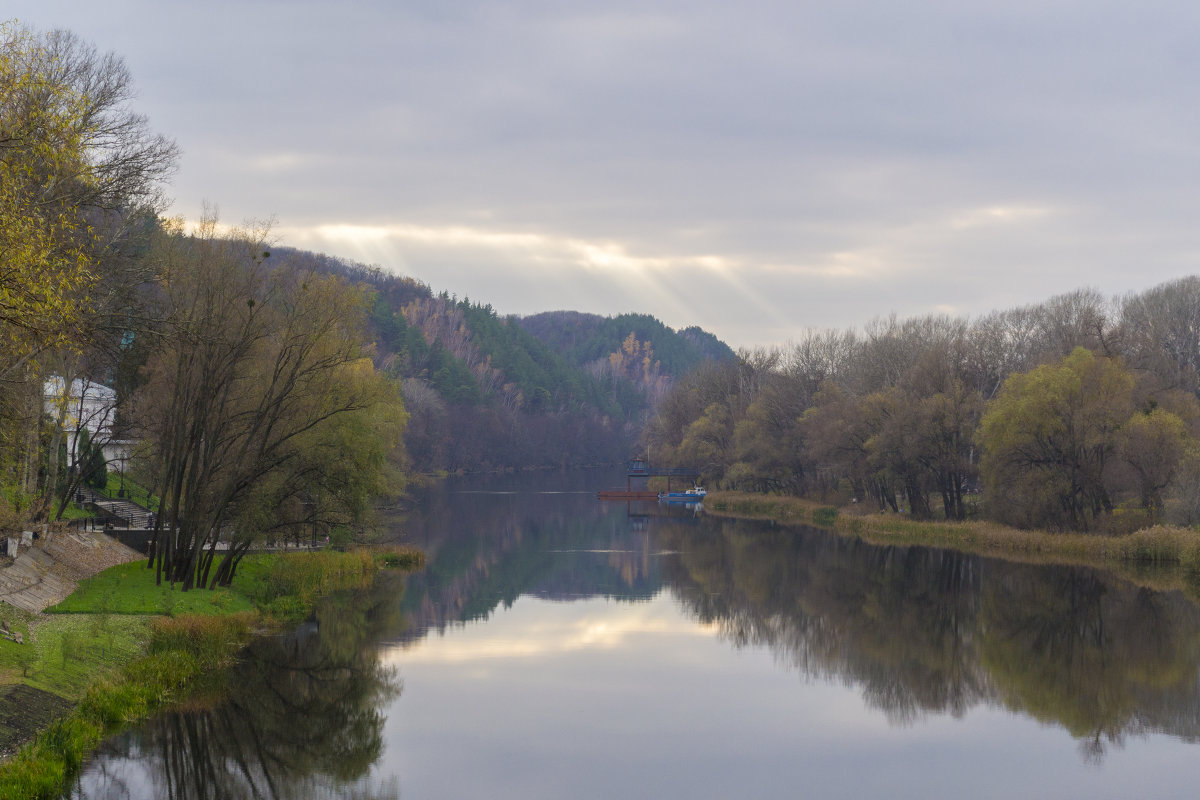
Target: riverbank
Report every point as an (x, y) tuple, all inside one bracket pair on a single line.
[(1161, 545), (49, 569), (168, 655)]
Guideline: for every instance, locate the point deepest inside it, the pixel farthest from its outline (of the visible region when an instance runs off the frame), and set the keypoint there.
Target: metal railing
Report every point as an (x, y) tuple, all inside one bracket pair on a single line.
[(121, 509), (637, 469)]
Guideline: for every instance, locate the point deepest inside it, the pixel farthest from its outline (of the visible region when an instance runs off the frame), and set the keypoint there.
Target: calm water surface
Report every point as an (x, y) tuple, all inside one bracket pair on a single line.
[(559, 647)]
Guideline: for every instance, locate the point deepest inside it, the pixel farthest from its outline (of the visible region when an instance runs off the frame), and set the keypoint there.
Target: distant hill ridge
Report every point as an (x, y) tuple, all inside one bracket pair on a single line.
[(485, 391), (584, 338)]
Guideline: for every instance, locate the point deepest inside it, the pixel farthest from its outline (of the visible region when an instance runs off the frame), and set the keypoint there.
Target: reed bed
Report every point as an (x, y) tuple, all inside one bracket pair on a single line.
[(284, 587), (399, 557), (1161, 545)]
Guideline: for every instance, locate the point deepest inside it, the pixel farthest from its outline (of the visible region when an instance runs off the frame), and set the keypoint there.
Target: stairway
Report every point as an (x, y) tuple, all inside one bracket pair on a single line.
[(128, 514)]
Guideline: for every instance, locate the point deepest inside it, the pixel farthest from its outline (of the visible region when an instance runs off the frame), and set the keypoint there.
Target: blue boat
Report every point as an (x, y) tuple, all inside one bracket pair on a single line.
[(693, 495)]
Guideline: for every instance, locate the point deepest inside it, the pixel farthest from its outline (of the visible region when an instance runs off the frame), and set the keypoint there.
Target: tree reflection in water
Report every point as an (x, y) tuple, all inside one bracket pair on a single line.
[(298, 719), (919, 631), (931, 631), (1098, 656)]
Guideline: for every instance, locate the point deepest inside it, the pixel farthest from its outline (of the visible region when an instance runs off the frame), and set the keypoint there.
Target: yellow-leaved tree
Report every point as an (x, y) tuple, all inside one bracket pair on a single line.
[(1049, 437), (78, 169), (43, 271)]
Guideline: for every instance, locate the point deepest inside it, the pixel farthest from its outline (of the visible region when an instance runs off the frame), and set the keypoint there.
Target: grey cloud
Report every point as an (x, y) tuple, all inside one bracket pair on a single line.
[(779, 137)]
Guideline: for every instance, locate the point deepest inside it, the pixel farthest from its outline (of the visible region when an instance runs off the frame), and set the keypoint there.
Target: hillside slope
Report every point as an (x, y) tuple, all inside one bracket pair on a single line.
[(486, 391)]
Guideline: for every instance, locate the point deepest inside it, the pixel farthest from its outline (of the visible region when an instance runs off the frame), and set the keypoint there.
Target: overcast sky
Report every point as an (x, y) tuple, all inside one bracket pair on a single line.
[(755, 168)]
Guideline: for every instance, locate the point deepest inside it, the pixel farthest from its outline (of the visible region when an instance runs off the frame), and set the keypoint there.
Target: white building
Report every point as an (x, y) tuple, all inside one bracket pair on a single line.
[(85, 404)]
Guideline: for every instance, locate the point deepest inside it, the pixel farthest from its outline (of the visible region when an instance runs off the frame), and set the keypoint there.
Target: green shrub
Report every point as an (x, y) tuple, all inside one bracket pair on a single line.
[(400, 558), (824, 516)]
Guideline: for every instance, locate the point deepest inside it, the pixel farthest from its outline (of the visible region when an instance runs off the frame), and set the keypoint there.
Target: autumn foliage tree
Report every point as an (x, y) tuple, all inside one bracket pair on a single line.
[(72, 156), (260, 406), (1049, 437), (1153, 443), (79, 173), (43, 269)]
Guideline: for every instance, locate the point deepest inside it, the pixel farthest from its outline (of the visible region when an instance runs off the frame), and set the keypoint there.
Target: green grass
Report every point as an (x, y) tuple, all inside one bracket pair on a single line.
[(122, 664), (279, 584), (75, 511), (179, 652), (130, 589), (133, 490), (66, 653)]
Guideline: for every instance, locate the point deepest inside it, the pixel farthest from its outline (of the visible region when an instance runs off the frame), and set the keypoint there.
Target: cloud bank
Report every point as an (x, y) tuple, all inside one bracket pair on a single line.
[(755, 168)]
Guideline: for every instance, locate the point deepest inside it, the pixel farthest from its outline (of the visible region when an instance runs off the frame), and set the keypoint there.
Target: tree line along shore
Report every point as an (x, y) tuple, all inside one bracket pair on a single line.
[(1079, 414)]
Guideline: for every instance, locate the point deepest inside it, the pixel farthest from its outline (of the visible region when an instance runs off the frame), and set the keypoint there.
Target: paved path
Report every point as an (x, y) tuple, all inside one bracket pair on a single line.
[(48, 572)]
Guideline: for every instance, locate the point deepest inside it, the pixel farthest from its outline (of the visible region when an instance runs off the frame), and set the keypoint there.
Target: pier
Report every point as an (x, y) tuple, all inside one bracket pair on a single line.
[(640, 468)]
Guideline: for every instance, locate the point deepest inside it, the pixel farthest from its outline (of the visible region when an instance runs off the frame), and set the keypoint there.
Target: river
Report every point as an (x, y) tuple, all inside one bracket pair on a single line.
[(556, 646)]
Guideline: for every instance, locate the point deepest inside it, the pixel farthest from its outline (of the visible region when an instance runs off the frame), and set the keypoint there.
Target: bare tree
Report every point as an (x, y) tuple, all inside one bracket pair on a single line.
[(1160, 331)]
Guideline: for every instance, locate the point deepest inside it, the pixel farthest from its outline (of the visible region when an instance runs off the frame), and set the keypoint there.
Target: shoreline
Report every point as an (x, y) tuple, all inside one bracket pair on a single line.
[(1160, 549), (177, 656)]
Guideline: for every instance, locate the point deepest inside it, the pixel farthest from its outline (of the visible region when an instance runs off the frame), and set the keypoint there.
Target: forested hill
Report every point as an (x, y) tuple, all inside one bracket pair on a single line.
[(584, 339), (486, 391)]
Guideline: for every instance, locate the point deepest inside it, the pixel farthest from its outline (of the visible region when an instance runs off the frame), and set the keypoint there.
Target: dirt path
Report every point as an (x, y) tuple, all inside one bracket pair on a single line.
[(24, 711)]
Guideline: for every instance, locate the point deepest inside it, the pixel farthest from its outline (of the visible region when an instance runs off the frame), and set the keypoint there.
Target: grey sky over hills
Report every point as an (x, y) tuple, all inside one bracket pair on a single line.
[(754, 168)]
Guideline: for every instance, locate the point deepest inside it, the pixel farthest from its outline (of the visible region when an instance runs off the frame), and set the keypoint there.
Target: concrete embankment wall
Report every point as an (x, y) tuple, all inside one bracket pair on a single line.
[(49, 570)]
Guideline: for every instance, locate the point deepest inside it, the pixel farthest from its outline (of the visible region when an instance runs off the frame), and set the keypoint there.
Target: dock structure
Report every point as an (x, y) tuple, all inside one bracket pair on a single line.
[(639, 468), (626, 494)]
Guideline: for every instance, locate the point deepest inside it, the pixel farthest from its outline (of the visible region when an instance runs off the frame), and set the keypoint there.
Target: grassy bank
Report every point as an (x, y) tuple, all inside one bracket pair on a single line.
[(129, 589), (63, 654), (151, 647), (1161, 545), (180, 650)]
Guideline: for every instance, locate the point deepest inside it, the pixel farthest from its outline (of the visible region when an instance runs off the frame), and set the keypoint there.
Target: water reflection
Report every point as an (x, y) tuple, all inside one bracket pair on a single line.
[(925, 631), (541, 535), (918, 631), (1103, 658), (301, 718), (616, 662)]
